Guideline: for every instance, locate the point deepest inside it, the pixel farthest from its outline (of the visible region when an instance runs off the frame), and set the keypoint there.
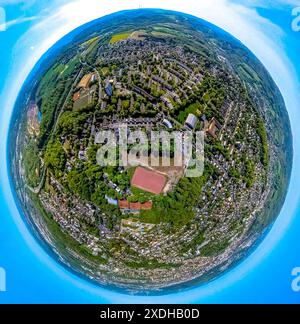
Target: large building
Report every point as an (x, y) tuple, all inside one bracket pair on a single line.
[(134, 208), (212, 128), (109, 89), (148, 180), (85, 81)]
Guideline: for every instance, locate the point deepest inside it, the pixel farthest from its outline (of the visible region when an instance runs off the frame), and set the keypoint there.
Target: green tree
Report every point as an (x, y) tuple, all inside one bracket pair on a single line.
[(55, 157)]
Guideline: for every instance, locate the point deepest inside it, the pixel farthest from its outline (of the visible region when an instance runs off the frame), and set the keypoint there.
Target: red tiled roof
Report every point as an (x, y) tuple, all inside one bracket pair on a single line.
[(76, 96), (148, 180), (135, 206), (124, 204)]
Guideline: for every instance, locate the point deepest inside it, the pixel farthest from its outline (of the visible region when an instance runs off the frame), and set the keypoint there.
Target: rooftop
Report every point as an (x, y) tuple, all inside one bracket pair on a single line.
[(191, 121), (85, 81), (125, 204)]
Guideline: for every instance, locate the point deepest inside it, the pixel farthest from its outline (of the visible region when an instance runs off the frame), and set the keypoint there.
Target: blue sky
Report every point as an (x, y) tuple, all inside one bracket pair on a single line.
[(263, 26)]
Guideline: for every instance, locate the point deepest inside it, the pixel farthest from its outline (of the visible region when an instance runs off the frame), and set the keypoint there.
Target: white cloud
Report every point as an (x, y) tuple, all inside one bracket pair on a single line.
[(269, 3), (25, 4)]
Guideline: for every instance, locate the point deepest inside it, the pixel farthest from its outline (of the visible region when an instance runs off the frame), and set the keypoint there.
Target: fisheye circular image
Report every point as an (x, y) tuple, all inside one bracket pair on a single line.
[(150, 151)]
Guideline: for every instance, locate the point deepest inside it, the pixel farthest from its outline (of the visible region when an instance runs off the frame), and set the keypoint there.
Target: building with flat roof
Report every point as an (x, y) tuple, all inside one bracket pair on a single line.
[(84, 82), (148, 180), (167, 123), (109, 89), (191, 121), (212, 127)]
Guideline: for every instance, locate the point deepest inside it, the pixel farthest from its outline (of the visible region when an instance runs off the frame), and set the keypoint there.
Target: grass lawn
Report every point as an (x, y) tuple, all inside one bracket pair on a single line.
[(105, 71), (192, 109)]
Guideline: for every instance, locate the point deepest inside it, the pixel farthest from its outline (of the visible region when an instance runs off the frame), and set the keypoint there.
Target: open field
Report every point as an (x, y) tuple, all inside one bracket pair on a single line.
[(119, 37)]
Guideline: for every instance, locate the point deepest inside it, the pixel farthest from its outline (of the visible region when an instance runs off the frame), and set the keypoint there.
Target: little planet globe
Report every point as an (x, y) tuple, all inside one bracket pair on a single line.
[(138, 227)]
